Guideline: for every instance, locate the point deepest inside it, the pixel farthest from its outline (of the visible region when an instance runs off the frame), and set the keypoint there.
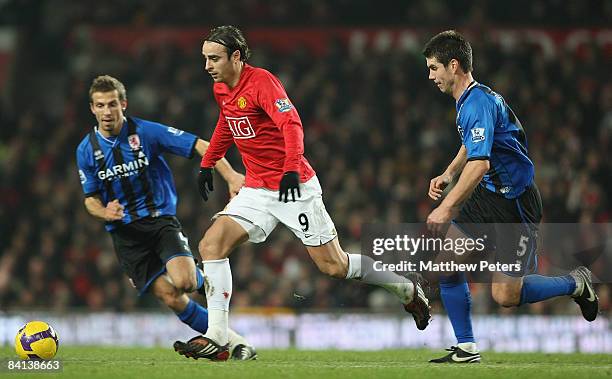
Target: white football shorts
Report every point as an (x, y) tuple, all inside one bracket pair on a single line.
[(258, 211)]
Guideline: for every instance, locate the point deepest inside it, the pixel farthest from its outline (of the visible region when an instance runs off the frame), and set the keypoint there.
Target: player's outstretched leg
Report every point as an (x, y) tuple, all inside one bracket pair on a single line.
[(408, 290), (333, 261), (535, 288)]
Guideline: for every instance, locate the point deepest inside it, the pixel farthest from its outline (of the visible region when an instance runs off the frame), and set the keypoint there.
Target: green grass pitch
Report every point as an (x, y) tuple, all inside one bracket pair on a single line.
[(153, 363)]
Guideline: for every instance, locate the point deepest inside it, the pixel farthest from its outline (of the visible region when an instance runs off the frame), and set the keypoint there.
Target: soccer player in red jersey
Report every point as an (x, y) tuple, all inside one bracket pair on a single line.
[(256, 114)]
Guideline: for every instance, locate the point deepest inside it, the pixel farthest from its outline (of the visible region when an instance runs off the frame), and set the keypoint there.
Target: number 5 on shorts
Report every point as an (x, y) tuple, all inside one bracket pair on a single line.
[(522, 246)]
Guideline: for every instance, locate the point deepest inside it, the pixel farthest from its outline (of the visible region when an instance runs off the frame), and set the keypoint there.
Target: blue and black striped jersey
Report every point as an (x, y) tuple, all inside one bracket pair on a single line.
[(131, 168), (489, 129)]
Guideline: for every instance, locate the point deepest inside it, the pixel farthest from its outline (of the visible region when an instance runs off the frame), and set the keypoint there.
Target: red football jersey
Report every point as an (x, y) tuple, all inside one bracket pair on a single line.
[(259, 118)]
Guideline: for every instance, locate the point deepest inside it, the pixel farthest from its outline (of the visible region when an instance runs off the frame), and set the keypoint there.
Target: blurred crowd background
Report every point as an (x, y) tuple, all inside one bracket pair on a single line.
[(376, 131)]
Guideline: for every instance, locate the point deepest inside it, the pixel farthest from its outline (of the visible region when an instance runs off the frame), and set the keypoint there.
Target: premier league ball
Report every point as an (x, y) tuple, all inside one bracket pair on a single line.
[(36, 340)]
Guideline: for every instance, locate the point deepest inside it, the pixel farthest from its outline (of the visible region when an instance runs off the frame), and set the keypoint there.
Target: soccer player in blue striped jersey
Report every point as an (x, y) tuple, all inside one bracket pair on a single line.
[(128, 184), (495, 194)]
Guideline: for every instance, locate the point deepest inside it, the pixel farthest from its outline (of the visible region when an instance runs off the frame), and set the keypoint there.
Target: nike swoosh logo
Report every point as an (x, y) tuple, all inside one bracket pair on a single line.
[(456, 358), (592, 297)]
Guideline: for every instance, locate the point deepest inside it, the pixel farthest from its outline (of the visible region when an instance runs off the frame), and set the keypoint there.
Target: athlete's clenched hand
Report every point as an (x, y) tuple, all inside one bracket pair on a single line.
[(289, 182), (205, 182)]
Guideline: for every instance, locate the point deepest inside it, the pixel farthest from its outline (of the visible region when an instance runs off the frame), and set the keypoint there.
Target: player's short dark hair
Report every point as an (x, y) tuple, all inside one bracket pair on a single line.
[(450, 45), (106, 83), (232, 38)]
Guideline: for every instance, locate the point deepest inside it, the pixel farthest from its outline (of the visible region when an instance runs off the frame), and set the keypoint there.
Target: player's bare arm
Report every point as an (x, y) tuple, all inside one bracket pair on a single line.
[(234, 179), (471, 175), (439, 183), (113, 211)]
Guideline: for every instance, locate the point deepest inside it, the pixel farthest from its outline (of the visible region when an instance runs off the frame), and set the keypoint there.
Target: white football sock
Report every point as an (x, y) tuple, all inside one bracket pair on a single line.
[(579, 286), (396, 284), (470, 347), (354, 266), (217, 326), (218, 285)]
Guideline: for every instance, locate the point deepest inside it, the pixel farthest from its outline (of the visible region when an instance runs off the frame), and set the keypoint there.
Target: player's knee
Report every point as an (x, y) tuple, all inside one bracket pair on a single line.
[(185, 283), (210, 249), (506, 296)]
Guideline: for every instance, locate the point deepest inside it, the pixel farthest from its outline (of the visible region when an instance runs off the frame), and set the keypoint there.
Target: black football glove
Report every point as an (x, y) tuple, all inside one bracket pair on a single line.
[(289, 182), (205, 182)]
